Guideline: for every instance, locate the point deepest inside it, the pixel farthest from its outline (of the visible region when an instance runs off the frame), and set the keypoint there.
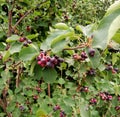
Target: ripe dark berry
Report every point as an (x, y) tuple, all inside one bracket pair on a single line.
[(38, 89), (91, 52), (25, 43), (62, 114), (117, 108), (93, 101), (5, 8), (83, 56), (28, 28), (90, 72), (21, 107), (22, 39), (35, 97), (57, 107), (109, 67)]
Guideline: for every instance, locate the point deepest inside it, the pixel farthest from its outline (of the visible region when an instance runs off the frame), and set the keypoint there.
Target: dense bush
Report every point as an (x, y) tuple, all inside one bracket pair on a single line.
[(59, 58)]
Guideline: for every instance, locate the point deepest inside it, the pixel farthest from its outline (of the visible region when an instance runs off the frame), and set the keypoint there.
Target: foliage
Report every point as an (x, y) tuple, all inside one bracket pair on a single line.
[(51, 69)]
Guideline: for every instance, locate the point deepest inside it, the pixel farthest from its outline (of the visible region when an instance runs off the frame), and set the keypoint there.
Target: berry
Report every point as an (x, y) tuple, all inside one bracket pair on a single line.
[(22, 39), (28, 28), (83, 55), (35, 97), (90, 72), (91, 52), (62, 114), (21, 107), (25, 43), (29, 41), (38, 89), (117, 108), (76, 57), (57, 107), (93, 101)]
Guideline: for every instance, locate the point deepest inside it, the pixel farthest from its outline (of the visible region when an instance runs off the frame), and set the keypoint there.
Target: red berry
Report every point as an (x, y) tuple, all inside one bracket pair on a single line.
[(28, 28), (22, 39)]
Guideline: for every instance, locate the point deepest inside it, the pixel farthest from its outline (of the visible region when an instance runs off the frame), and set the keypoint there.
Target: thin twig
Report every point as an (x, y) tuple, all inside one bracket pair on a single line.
[(75, 48)]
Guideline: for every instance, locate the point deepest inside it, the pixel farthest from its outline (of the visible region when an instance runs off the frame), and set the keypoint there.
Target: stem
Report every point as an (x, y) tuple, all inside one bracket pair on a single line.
[(18, 76), (49, 90)]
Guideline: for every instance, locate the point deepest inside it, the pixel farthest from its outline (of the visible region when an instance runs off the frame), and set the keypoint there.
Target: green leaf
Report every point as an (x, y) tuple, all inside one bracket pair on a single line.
[(28, 53), (113, 7), (49, 75), (86, 30), (57, 47), (15, 47), (32, 36), (84, 112), (12, 38), (61, 81), (2, 46), (38, 72), (6, 55), (106, 29), (41, 113), (61, 26), (56, 36), (116, 38)]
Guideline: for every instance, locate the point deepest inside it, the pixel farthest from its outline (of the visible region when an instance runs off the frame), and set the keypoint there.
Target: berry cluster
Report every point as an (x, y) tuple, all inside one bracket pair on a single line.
[(91, 52), (109, 67), (93, 101), (90, 72), (25, 41), (46, 61), (105, 96)]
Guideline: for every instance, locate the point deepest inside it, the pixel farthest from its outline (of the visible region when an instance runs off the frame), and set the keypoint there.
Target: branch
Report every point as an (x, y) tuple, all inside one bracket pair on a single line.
[(17, 23), (76, 48)]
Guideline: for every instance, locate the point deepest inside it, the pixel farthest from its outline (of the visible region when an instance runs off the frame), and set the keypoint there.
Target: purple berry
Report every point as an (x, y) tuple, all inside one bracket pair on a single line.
[(91, 52), (117, 108), (29, 41), (57, 107), (93, 101)]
